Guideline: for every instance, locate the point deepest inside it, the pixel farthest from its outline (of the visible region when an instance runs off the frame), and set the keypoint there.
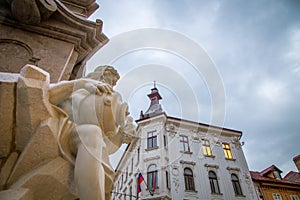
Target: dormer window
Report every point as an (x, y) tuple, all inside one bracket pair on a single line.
[(277, 175)]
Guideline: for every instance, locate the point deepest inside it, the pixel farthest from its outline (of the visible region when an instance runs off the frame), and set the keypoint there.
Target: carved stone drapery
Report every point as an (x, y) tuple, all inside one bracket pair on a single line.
[(171, 129)]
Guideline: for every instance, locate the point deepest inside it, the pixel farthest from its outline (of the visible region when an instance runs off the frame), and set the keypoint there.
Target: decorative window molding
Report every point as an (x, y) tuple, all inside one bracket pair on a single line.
[(186, 152), (171, 129), (196, 138), (151, 158), (175, 170), (209, 156), (233, 169), (209, 166), (187, 162), (150, 149)]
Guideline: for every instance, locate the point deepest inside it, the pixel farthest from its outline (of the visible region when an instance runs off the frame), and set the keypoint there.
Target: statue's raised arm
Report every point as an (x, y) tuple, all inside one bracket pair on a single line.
[(100, 125)]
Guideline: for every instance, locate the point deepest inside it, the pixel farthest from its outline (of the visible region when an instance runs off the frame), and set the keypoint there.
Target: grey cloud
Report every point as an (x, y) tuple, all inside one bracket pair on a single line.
[(251, 43)]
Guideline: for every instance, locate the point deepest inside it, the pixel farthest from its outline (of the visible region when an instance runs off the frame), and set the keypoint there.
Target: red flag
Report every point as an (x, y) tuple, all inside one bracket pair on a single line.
[(139, 181)]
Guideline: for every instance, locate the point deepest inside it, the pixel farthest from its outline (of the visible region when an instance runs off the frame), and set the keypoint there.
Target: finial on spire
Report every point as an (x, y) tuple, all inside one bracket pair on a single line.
[(155, 107)]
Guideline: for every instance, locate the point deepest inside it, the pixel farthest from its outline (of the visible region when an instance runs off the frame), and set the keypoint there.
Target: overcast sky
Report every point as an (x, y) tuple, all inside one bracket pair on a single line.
[(254, 51)]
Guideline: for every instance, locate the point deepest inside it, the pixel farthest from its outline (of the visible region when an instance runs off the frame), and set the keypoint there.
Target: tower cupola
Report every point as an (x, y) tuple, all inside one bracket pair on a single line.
[(155, 107)]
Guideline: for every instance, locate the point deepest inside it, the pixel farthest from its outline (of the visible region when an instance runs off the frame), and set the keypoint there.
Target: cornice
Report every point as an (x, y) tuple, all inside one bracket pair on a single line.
[(64, 25)]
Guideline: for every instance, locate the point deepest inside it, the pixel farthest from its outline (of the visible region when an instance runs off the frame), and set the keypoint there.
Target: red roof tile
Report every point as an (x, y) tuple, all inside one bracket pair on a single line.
[(270, 169), (256, 176), (296, 157), (292, 176)]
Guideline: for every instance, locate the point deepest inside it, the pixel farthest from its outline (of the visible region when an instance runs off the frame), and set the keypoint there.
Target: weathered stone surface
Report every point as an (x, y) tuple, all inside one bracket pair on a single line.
[(23, 47), (55, 175), (32, 103), (51, 37), (17, 194), (7, 112), (33, 72), (7, 168), (82, 7), (20, 53), (41, 148)]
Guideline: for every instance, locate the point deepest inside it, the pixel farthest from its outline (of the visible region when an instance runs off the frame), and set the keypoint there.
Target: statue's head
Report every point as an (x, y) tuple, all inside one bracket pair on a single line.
[(106, 73)]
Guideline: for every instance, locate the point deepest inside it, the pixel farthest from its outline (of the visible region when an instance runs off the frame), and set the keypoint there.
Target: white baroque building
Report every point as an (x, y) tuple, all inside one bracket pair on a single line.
[(181, 159)]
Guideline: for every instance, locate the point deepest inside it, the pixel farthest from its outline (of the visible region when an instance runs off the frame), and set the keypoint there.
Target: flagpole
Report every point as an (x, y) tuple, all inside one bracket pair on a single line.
[(143, 180)]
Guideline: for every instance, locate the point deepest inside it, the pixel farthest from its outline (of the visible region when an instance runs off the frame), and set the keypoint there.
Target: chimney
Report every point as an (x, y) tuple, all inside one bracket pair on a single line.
[(296, 160)]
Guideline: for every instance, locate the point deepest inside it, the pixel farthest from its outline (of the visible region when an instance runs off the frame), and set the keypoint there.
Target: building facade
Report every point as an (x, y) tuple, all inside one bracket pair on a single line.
[(181, 159), (270, 185)]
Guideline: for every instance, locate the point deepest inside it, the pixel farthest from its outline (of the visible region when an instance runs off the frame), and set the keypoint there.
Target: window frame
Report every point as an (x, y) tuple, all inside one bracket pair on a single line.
[(189, 182), (152, 179), (152, 139), (138, 155), (214, 183), (167, 179), (276, 196), (207, 151), (236, 185), (184, 143), (294, 197), (227, 151)]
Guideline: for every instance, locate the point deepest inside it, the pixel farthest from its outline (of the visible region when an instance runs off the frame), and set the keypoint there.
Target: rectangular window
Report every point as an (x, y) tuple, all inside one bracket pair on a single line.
[(165, 141), (227, 151), (276, 196), (167, 179), (189, 179), (138, 155), (151, 140), (206, 148), (294, 197), (184, 143), (152, 180)]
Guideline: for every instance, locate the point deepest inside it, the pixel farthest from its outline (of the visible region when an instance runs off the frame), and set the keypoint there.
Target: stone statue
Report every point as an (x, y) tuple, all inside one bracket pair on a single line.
[(65, 133), (100, 125)]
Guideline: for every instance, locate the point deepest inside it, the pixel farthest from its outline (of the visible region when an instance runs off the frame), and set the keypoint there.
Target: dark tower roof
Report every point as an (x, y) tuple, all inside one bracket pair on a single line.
[(155, 107)]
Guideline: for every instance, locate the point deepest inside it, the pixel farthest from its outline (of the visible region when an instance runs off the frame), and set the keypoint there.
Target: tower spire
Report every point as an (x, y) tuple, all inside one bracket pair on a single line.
[(155, 107)]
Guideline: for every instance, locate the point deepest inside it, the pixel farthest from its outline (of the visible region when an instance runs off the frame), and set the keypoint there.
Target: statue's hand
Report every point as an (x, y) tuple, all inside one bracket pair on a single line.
[(104, 88), (98, 87), (129, 132)]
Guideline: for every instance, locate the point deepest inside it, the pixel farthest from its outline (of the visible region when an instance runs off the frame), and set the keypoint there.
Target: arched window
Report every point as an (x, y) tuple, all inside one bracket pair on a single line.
[(213, 180), (236, 184), (189, 179), (152, 177)]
